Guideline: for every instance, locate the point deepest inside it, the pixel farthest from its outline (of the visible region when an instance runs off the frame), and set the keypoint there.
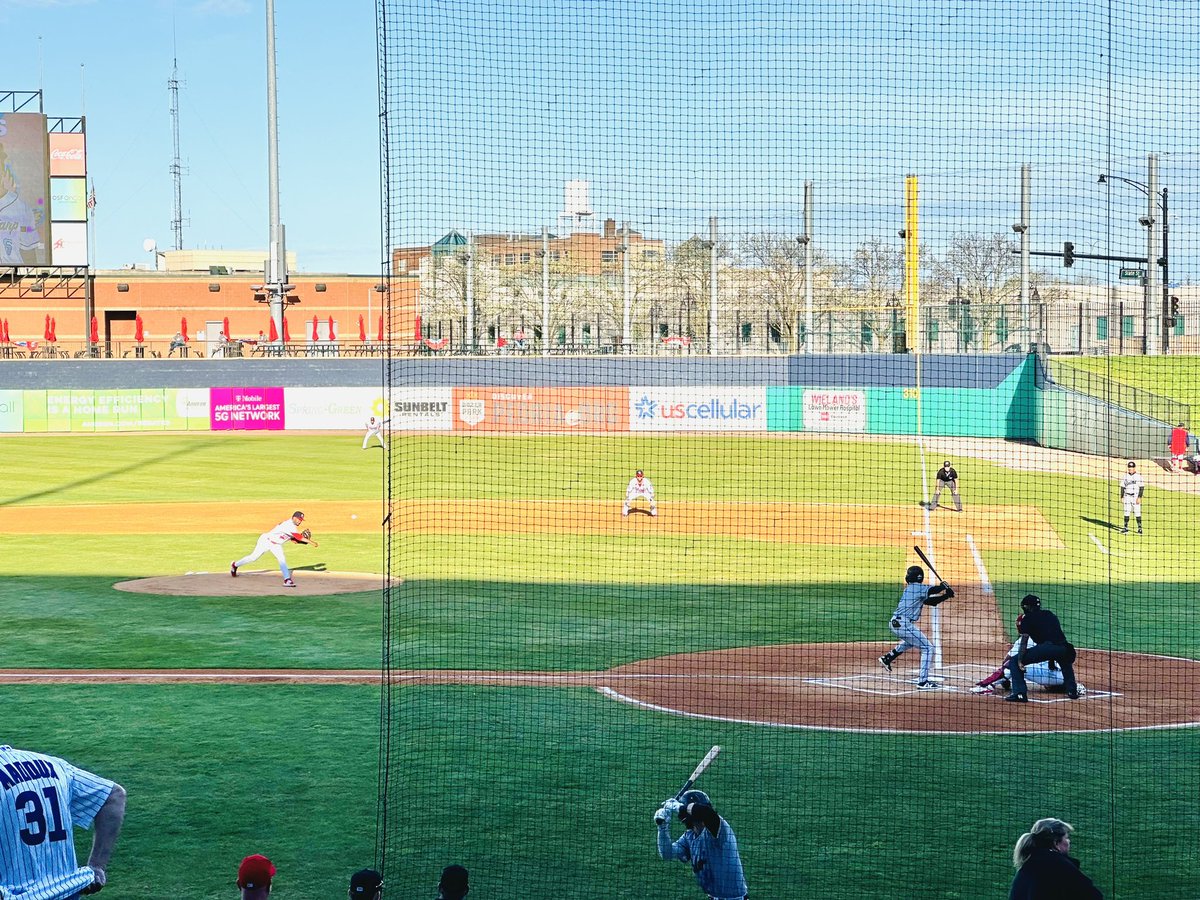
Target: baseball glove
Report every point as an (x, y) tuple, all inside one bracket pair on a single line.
[(306, 534)]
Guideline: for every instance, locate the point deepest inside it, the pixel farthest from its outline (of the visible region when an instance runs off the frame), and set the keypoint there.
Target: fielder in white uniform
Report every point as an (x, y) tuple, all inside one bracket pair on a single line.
[(1132, 488), (639, 486), (42, 798), (272, 542), (374, 429), (18, 220)]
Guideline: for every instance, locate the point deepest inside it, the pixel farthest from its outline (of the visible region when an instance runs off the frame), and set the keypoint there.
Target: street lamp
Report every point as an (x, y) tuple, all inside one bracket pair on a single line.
[(1147, 221)]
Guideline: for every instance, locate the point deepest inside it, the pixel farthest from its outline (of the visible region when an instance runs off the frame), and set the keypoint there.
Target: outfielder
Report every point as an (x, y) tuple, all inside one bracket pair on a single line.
[(1046, 673), (707, 843), (639, 486), (272, 541), (42, 799), (1132, 489), (374, 429), (904, 622)]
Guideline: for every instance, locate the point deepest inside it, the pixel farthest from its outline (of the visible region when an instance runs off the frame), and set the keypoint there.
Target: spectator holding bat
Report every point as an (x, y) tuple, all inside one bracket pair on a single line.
[(708, 844)]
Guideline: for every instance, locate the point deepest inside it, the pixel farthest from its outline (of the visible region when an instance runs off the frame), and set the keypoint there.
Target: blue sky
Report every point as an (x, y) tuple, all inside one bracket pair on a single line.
[(673, 111)]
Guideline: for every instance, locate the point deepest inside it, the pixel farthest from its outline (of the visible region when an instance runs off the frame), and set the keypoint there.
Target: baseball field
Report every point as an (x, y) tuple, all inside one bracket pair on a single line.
[(559, 669)]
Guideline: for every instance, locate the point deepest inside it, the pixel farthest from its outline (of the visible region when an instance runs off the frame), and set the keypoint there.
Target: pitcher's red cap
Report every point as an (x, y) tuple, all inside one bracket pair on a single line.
[(255, 872)]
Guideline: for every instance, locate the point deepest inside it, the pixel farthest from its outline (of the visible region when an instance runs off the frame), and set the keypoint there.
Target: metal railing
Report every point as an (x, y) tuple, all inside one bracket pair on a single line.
[(1145, 403)]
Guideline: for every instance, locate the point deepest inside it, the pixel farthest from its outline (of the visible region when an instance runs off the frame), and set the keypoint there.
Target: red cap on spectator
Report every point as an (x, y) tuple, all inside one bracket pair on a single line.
[(255, 872)]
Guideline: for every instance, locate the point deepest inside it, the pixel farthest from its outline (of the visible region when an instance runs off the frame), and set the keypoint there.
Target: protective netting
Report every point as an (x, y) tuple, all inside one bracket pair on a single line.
[(790, 261)]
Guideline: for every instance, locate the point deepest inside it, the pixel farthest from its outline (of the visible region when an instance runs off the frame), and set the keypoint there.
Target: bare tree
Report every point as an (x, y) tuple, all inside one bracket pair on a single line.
[(980, 278)]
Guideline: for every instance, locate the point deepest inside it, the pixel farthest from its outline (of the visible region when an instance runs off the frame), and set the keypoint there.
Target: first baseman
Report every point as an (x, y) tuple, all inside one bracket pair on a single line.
[(708, 844), (42, 799), (272, 541), (374, 429), (639, 486), (1132, 489), (904, 622)]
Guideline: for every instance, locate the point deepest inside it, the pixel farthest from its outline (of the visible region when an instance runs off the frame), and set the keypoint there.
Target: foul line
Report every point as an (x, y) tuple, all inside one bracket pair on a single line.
[(1096, 541), (983, 575)]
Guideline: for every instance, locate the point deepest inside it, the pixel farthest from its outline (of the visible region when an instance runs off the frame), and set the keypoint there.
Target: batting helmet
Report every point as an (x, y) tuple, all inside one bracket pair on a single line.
[(697, 809), (914, 575), (1031, 602)]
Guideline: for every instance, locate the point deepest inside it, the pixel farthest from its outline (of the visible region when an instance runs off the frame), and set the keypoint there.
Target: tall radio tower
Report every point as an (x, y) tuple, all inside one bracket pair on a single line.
[(176, 162)]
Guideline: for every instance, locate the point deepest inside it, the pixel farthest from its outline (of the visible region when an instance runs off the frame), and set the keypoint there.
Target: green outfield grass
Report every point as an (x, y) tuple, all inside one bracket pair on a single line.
[(559, 784), (1177, 377)]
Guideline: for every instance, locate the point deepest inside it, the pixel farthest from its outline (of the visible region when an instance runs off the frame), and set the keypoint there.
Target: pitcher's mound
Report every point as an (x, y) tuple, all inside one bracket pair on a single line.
[(260, 583)]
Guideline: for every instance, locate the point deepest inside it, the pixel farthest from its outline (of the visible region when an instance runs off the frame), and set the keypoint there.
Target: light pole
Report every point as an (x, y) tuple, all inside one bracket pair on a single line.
[(1147, 221)]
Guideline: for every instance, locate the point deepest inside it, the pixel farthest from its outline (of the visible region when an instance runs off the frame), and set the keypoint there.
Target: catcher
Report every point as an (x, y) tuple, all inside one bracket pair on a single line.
[(904, 622), (272, 541), (1047, 673), (707, 843)]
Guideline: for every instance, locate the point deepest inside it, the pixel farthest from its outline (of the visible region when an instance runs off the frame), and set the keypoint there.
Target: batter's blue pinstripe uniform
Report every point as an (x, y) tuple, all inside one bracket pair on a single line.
[(42, 798)]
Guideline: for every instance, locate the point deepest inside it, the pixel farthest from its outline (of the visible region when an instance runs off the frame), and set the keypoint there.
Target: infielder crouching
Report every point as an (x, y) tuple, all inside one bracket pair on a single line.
[(708, 844), (1047, 673), (374, 429), (272, 542), (639, 486), (904, 622)]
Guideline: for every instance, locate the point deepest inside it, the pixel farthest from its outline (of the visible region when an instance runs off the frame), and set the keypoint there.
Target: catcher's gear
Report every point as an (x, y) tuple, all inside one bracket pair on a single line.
[(914, 575), (1030, 602)]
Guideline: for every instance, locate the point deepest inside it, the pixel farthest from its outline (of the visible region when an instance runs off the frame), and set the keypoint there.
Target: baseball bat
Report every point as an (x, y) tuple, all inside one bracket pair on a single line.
[(698, 771), (925, 559)]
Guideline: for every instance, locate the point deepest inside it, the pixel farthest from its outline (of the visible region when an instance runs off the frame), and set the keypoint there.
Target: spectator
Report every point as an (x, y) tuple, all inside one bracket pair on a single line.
[(366, 884), (45, 798), (1179, 445), (254, 877), (453, 885), (178, 343), (1044, 870)]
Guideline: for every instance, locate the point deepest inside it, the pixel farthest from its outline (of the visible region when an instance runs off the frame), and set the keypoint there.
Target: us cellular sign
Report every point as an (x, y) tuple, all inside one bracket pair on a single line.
[(697, 409)]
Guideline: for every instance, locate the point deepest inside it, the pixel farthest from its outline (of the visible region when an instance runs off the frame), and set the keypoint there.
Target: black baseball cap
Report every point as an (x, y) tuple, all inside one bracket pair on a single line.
[(297, 515), (1131, 465), (946, 463), (454, 882), (365, 882)]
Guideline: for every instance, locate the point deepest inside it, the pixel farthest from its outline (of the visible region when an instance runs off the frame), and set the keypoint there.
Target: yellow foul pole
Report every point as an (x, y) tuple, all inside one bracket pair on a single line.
[(912, 282)]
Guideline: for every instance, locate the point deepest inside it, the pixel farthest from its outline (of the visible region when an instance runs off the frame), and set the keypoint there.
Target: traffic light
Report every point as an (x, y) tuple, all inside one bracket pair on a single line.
[(1174, 307), (1068, 254)]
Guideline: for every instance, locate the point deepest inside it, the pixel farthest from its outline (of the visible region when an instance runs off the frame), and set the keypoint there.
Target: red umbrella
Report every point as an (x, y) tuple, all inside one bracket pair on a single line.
[(332, 336), (46, 330), (380, 338), (314, 337), (225, 328), (4, 331), (53, 330), (417, 327), (362, 331), (286, 336), (273, 335), (138, 334), (183, 330), (95, 332)]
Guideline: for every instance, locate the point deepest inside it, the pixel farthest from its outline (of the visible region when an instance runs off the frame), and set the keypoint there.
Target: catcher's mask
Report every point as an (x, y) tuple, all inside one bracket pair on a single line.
[(914, 575)]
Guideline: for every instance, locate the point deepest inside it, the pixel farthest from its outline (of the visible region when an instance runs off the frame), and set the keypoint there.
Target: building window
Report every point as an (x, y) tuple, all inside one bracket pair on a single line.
[(1002, 330), (649, 254), (1179, 332), (555, 255), (510, 259), (495, 259), (747, 330), (933, 328), (1127, 326), (525, 257), (608, 256), (1102, 328)]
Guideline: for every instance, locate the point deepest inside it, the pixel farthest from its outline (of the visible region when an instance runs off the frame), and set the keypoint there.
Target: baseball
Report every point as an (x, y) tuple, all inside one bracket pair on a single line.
[(353, 515)]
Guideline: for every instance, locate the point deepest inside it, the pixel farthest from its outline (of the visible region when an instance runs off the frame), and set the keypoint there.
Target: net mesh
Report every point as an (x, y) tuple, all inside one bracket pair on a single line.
[(788, 260)]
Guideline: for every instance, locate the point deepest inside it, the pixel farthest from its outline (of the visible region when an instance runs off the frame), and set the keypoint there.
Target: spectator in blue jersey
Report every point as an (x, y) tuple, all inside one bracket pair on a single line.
[(42, 799), (1045, 870), (708, 844)]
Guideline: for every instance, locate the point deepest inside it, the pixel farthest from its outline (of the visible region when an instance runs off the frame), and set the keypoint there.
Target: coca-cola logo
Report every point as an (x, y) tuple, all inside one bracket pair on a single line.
[(75, 153)]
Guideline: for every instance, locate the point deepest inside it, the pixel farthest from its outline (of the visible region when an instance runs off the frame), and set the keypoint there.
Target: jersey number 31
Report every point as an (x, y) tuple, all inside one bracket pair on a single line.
[(30, 805)]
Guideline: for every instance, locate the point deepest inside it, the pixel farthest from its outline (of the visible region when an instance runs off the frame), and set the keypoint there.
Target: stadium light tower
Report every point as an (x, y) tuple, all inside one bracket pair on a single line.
[(275, 291)]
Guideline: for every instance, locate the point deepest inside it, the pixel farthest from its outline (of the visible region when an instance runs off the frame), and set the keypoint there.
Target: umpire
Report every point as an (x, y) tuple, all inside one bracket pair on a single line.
[(1042, 627)]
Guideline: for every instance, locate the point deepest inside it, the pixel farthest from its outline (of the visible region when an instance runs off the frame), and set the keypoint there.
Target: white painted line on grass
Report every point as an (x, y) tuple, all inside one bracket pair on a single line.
[(983, 575), (1096, 541)]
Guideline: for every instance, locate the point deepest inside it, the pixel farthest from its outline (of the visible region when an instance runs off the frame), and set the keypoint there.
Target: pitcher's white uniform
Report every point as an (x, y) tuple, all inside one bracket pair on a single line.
[(374, 428), (1132, 487), (272, 542), (639, 486), (42, 798)]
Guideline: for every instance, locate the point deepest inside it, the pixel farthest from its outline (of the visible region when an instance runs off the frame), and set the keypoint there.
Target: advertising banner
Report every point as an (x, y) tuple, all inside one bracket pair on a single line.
[(25, 190), (68, 199), (246, 409), (420, 409), (186, 409), (332, 408), (583, 410), (67, 156), (698, 408), (12, 415), (69, 243), (835, 410)]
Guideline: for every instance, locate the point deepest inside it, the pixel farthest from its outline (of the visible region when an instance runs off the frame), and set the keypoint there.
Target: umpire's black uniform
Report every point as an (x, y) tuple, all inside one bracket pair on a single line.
[(1043, 626)]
